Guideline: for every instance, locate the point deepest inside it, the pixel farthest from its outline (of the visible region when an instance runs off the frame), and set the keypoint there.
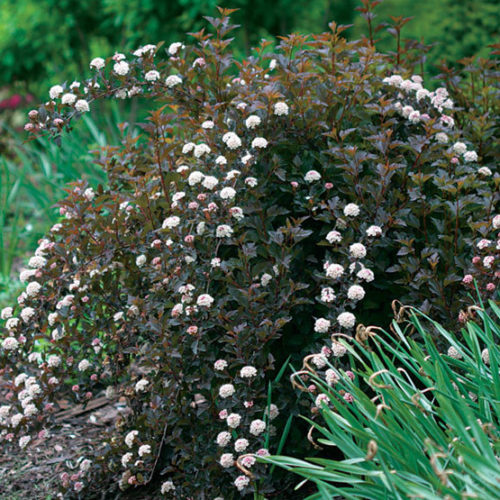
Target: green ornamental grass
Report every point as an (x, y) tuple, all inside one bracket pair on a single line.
[(423, 424)]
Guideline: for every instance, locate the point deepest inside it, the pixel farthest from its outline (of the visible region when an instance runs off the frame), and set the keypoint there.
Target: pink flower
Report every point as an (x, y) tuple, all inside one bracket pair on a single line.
[(350, 374), (294, 184), (328, 185), (192, 330), (476, 260), (348, 397), (454, 160), (490, 287), (193, 205), (189, 238), (223, 414), (75, 388), (467, 279)]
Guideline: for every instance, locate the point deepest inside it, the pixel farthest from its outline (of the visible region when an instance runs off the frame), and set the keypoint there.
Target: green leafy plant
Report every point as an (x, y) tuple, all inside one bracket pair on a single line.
[(420, 423)]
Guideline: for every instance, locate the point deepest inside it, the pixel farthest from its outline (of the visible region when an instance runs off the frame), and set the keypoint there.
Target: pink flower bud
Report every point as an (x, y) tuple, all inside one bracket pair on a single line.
[(93, 377), (490, 287), (294, 184), (328, 185), (311, 388), (29, 127), (454, 160), (350, 374), (192, 330), (75, 388), (476, 260), (33, 114), (467, 279), (193, 205), (189, 238), (348, 397), (202, 197), (85, 299)]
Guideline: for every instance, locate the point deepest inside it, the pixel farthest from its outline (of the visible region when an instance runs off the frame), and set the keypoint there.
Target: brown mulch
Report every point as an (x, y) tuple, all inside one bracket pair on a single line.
[(34, 473)]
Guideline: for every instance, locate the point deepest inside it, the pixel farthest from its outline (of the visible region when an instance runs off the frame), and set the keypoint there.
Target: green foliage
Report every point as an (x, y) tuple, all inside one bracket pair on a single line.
[(422, 423), (46, 37)]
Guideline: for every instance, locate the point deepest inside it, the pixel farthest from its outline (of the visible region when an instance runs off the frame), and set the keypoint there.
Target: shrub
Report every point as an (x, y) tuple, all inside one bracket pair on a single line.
[(414, 422), (263, 201)]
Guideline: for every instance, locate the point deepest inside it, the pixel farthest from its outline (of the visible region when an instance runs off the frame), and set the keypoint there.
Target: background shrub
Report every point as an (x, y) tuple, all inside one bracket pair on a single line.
[(256, 192)]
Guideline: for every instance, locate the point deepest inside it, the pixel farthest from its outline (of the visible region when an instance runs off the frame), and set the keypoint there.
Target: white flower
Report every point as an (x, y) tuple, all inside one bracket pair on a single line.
[(121, 68), (366, 275), (174, 48), (12, 323), (485, 356), (200, 228), (312, 176), (248, 372), (27, 313), (205, 300), (231, 140), (223, 439), (257, 427), (221, 160), (485, 171), (241, 482), (83, 365), (201, 149), (272, 64), (265, 279), (210, 182), (141, 260), (226, 390), (245, 159), (351, 210), (23, 442), (130, 438), (6, 313), (374, 231), (228, 193), (126, 459), (152, 76), (321, 325), (233, 420), (357, 250), (145, 449), (223, 231), (356, 292), (334, 271), (327, 295), (495, 222), (167, 487), (142, 385), (470, 156), (97, 63), (259, 142), (338, 349), (10, 344), (173, 80), (37, 262), (453, 353), (252, 121), (484, 243), (53, 361), (346, 319), (188, 147), (280, 109), (331, 377), (208, 124), (459, 148), (442, 138), (227, 460), (195, 178), (251, 181), (55, 91), (171, 222), (220, 365), (241, 445), (334, 237), (68, 98), (82, 105)]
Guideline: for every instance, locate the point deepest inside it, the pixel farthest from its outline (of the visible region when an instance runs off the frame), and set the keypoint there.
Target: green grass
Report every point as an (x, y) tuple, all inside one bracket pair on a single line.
[(437, 433)]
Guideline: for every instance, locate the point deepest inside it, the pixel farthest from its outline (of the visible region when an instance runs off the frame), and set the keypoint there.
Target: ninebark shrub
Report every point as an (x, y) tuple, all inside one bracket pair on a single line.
[(268, 204)]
